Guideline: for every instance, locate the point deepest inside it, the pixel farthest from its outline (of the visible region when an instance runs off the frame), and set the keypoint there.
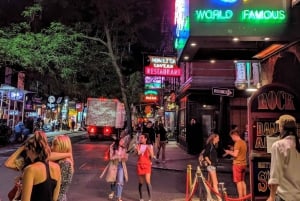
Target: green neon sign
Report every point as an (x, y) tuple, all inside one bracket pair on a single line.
[(263, 15), (213, 15), (247, 15)]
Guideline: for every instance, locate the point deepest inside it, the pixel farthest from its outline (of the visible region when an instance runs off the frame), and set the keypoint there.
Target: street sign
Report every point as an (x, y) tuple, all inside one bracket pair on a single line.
[(223, 92)]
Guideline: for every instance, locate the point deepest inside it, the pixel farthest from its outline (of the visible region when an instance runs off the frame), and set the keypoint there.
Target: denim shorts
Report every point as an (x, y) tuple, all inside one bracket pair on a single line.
[(277, 198), (211, 168)]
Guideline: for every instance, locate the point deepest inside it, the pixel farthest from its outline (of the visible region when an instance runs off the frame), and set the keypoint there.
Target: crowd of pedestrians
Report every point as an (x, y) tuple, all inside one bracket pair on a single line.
[(42, 165)]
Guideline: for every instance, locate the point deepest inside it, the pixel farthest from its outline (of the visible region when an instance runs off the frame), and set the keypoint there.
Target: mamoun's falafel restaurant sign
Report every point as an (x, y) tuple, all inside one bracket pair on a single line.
[(238, 17)]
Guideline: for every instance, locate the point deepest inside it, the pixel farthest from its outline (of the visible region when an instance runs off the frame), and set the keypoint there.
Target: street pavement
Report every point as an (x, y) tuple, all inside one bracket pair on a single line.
[(177, 159)]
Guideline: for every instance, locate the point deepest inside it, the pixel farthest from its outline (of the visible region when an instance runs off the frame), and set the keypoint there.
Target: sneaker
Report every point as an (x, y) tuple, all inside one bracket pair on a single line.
[(111, 195)]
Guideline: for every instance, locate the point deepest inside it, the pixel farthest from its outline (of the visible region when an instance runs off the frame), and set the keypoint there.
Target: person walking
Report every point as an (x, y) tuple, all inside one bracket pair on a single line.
[(162, 136), (144, 164), (284, 181), (42, 178), (239, 154), (116, 170), (211, 157), (62, 144)]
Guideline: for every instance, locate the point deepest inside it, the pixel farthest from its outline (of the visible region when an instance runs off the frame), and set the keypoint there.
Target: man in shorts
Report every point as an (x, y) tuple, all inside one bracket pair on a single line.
[(239, 154)]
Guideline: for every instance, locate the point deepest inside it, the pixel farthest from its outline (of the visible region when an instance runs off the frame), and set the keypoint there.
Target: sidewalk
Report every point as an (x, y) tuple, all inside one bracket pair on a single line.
[(177, 159)]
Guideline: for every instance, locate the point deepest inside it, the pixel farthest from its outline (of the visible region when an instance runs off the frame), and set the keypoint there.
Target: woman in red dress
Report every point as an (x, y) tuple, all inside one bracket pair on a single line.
[(144, 163)]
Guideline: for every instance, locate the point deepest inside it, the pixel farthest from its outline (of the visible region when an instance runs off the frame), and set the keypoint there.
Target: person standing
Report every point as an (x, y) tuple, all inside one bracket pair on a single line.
[(144, 164), (211, 157), (19, 127), (239, 154), (150, 130), (62, 144), (116, 171), (162, 135), (73, 124), (42, 178), (194, 138), (284, 181)]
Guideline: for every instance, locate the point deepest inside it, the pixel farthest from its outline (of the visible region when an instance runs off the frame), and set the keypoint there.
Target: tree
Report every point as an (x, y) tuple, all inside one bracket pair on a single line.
[(118, 25), (112, 34)]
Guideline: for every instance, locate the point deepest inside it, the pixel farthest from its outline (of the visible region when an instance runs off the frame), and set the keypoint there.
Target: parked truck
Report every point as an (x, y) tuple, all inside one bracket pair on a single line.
[(104, 118)]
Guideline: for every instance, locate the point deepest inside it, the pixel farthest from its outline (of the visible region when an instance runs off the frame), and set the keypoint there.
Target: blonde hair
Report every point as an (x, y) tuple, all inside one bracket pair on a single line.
[(211, 138), (62, 144)]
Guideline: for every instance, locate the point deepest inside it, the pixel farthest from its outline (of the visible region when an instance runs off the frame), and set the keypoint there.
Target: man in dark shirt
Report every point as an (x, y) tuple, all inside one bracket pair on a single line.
[(150, 130)]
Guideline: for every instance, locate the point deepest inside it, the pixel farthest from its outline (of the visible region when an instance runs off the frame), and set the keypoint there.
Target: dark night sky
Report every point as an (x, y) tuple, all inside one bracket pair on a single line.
[(10, 10)]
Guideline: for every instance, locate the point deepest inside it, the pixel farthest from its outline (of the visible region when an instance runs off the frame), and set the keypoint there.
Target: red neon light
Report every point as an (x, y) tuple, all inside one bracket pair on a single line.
[(150, 98), (171, 72)]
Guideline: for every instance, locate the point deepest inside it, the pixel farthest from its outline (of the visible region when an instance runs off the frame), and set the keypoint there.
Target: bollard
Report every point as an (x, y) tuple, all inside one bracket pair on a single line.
[(189, 175), (188, 181), (221, 188), (199, 179)]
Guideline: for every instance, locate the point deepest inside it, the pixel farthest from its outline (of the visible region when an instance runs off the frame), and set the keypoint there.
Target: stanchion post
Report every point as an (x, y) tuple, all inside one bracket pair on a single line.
[(199, 179), (221, 189), (188, 181), (224, 194)]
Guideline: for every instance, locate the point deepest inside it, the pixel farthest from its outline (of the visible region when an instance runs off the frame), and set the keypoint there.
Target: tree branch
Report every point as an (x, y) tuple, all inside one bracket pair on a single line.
[(96, 39)]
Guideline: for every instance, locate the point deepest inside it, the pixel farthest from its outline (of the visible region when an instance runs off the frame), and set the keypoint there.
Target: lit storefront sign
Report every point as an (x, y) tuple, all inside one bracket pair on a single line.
[(251, 16), (172, 72), (162, 66), (15, 95), (162, 62), (150, 96), (181, 21), (238, 18), (154, 82), (247, 74)]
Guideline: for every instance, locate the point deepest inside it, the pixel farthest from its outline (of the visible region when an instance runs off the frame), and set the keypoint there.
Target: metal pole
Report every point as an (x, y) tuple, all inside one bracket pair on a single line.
[(14, 113), (199, 179), (23, 106), (8, 112), (1, 105)]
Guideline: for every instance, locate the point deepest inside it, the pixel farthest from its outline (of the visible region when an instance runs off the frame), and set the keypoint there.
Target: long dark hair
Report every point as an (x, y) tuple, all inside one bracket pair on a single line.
[(116, 145)]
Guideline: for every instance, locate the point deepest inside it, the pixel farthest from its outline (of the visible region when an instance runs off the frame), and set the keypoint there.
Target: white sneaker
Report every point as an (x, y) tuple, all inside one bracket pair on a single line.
[(111, 195)]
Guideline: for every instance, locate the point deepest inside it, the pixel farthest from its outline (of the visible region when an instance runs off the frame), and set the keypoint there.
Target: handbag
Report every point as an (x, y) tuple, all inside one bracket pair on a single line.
[(15, 193)]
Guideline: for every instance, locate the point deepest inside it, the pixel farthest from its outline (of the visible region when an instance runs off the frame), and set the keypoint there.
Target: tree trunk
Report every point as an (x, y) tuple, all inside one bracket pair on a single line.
[(121, 80)]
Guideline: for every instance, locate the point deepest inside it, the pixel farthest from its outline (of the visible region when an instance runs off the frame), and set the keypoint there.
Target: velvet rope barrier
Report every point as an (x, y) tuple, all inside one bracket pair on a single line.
[(238, 199)]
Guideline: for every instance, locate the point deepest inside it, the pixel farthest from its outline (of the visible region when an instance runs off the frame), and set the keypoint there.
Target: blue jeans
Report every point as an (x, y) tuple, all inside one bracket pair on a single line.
[(120, 180)]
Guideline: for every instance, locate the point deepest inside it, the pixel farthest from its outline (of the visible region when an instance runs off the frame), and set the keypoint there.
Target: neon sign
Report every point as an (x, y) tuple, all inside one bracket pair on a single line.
[(263, 15), (162, 62), (181, 21), (251, 16), (174, 72)]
